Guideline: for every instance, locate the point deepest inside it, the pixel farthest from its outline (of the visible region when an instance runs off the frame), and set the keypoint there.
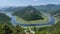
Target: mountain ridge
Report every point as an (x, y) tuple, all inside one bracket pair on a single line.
[(29, 13)]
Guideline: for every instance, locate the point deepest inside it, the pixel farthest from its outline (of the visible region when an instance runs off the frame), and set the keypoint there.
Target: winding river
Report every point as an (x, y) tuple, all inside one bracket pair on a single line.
[(14, 22)]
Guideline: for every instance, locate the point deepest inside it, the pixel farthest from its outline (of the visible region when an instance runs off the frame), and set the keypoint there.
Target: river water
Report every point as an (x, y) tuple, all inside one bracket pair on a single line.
[(14, 22)]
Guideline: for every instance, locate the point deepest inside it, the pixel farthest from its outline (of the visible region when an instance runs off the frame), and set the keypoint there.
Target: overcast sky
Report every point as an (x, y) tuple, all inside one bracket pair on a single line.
[(27, 2)]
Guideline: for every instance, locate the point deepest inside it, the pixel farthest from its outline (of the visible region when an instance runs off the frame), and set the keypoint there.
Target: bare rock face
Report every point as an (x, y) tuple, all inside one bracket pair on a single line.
[(29, 13)]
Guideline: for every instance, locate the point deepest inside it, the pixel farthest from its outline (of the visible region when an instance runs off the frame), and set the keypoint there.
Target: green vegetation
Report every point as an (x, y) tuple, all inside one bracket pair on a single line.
[(7, 28), (18, 19), (4, 18), (56, 13), (54, 29), (29, 14)]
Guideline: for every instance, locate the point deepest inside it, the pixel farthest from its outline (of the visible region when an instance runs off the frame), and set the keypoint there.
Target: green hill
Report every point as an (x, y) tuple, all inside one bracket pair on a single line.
[(29, 13), (4, 19)]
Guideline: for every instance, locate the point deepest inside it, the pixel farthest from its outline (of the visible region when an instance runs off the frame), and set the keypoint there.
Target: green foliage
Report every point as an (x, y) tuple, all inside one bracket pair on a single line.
[(6, 29), (4, 18), (34, 29), (55, 29), (18, 30), (29, 13)]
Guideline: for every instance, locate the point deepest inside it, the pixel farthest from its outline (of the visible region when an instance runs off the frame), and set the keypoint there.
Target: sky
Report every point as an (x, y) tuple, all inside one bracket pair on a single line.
[(27, 2)]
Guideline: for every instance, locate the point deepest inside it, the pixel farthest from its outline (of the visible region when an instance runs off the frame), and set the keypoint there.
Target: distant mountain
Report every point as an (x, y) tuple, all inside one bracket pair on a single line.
[(45, 8), (48, 8), (12, 9), (29, 13), (56, 13)]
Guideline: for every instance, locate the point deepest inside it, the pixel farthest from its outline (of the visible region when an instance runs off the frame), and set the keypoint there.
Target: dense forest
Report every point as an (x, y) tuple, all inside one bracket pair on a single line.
[(29, 13), (4, 18)]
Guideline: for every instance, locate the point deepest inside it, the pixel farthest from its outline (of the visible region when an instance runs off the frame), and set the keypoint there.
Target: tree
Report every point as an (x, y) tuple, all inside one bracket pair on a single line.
[(34, 28), (6, 29), (18, 30)]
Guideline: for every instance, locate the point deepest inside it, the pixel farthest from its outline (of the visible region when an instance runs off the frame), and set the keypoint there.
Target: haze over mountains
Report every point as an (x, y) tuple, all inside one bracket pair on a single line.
[(45, 8), (49, 7)]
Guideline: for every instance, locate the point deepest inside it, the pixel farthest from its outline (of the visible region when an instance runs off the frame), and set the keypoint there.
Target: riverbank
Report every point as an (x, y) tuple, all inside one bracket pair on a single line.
[(31, 22), (46, 19), (50, 21)]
